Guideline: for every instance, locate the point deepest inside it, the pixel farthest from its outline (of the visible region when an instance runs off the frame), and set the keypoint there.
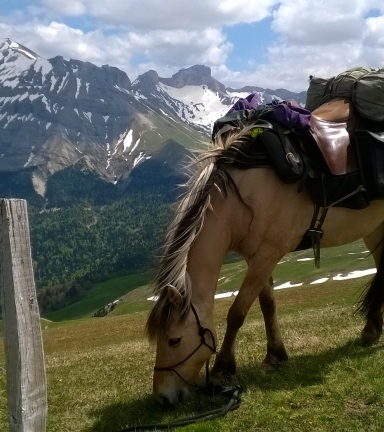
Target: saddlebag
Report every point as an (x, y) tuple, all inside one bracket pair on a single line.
[(370, 152)]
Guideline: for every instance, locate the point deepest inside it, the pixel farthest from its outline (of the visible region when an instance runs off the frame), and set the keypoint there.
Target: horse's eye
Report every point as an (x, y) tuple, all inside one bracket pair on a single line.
[(174, 342)]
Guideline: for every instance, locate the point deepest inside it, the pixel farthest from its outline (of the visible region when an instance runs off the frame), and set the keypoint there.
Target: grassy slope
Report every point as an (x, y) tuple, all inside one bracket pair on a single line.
[(136, 290), (102, 294), (100, 370)]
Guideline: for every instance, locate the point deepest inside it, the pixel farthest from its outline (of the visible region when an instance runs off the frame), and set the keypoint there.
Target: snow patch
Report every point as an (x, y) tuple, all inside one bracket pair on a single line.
[(226, 294), (319, 281), (139, 158), (134, 147), (128, 140), (31, 156), (88, 116), (63, 83), (288, 285), (78, 84), (305, 259), (355, 274)]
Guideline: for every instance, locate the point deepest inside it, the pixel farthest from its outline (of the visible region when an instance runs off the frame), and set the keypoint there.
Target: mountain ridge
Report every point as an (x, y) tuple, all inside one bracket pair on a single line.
[(56, 112)]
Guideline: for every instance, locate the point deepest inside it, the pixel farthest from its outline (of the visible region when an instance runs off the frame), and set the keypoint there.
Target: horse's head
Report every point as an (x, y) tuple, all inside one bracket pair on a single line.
[(184, 344)]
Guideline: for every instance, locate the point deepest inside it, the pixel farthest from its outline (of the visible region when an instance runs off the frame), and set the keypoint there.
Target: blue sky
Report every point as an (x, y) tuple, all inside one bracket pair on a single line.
[(267, 43)]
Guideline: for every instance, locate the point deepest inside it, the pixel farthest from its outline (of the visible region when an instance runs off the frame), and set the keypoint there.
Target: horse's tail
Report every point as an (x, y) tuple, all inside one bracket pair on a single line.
[(371, 305)]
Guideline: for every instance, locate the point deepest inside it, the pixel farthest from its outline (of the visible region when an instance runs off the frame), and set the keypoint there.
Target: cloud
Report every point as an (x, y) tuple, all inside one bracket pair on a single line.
[(135, 36), (166, 50), (169, 14), (60, 39)]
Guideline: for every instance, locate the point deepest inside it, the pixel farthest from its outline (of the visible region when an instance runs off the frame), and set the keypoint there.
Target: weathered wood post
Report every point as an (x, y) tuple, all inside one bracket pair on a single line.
[(25, 369)]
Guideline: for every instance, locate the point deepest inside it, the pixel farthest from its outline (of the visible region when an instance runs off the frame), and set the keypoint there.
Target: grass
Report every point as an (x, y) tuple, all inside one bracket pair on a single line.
[(100, 295), (100, 370), (135, 289)]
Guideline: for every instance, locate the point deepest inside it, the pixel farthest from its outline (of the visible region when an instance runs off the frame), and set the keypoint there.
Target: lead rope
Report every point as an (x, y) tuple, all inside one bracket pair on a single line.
[(233, 404), (234, 392)]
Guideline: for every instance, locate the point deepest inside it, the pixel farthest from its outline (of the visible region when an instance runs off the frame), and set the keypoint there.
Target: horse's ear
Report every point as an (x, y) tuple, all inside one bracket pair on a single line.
[(174, 296)]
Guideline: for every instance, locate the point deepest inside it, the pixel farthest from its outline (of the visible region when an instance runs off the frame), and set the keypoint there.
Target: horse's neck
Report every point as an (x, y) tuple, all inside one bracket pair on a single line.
[(207, 255)]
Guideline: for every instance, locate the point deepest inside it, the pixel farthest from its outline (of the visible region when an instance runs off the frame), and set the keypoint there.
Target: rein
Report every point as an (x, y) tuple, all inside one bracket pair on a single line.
[(202, 332), (232, 392)]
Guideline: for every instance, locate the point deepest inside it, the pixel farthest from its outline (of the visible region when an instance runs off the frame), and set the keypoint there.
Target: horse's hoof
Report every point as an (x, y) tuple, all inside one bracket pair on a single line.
[(369, 338), (275, 359), (222, 372)]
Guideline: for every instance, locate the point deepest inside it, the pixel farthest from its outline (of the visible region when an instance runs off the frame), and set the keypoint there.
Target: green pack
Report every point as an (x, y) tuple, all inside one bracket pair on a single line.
[(363, 85)]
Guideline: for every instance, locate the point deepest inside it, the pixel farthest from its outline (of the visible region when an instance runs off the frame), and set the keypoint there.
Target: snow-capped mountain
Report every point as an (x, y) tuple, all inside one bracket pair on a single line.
[(60, 112), (196, 98)]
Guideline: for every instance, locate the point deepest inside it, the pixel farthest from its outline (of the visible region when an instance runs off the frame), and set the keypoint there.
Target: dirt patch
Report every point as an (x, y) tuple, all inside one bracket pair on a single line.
[(357, 407)]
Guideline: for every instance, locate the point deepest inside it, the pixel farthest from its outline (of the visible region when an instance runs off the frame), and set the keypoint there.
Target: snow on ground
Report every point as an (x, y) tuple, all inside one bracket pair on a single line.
[(200, 105), (31, 156), (239, 95), (355, 274), (63, 82), (227, 294), (139, 158), (88, 115), (352, 275), (319, 281), (128, 140), (287, 285), (78, 83), (134, 147)]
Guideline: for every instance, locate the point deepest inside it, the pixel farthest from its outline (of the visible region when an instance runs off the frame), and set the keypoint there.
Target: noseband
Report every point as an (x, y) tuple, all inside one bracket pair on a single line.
[(202, 331)]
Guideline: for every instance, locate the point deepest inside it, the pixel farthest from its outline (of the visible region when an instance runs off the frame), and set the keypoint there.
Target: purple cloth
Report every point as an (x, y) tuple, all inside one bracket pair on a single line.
[(293, 117), (250, 102)]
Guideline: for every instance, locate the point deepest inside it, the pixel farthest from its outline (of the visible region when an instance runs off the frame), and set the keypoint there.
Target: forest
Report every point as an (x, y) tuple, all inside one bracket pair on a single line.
[(87, 230)]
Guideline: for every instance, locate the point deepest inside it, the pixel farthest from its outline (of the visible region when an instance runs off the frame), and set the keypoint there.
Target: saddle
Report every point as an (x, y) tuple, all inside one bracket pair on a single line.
[(337, 156)]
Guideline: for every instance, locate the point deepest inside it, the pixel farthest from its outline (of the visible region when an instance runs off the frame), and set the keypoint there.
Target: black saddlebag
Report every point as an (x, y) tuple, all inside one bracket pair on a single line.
[(340, 191), (370, 152)]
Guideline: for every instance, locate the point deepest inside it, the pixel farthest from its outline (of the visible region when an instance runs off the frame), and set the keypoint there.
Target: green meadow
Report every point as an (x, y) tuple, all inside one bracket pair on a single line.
[(100, 369)]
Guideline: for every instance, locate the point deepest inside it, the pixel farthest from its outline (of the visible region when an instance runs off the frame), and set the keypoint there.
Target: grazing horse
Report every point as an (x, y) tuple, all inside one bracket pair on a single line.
[(250, 211)]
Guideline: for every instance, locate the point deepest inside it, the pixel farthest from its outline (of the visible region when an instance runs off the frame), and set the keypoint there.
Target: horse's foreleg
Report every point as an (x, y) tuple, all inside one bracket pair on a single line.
[(276, 352), (251, 287), (374, 325)]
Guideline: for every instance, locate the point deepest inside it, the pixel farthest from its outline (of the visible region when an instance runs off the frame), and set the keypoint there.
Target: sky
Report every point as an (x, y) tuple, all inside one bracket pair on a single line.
[(265, 43)]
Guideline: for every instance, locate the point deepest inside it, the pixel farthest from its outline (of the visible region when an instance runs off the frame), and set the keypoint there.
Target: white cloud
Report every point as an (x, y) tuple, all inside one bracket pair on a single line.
[(182, 47), (317, 37), (169, 14), (165, 50)]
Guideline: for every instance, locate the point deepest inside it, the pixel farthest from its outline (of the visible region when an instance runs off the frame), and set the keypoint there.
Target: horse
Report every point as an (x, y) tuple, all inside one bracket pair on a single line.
[(249, 210)]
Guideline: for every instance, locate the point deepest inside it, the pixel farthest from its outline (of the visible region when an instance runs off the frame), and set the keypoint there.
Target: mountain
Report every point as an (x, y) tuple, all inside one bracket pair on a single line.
[(100, 158), (57, 112)]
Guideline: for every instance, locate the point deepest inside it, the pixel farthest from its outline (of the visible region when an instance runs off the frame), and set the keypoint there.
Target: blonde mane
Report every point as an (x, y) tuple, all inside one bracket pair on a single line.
[(172, 284)]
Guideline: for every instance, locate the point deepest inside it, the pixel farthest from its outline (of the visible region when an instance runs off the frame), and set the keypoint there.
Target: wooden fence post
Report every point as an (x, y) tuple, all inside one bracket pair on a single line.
[(25, 368)]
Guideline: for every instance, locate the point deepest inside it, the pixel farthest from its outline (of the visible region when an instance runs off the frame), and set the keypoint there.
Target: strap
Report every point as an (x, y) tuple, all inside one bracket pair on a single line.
[(202, 331)]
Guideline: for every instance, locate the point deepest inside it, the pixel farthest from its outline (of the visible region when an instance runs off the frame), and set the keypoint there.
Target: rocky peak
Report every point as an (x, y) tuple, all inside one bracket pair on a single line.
[(10, 48), (194, 75), (146, 82)]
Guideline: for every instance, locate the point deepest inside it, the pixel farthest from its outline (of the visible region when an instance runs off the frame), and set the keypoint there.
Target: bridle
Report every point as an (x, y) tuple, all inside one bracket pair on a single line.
[(202, 331)]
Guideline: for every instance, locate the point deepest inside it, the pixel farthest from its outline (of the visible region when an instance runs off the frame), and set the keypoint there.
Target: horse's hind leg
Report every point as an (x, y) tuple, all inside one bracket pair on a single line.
[(372, 304), (276, 352)]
